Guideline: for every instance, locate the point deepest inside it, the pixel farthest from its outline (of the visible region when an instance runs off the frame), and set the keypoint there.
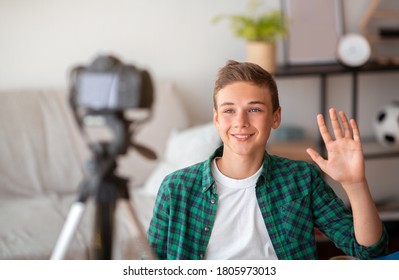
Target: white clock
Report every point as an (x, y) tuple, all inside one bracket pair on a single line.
[(353, 50)]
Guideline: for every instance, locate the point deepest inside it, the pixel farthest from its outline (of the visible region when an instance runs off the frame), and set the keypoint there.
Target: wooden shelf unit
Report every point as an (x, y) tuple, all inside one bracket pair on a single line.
[(376, 13), (323, 71), (326, 249)]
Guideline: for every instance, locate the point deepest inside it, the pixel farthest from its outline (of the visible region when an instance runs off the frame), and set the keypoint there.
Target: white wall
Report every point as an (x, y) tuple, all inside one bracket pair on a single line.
[(40, 40)]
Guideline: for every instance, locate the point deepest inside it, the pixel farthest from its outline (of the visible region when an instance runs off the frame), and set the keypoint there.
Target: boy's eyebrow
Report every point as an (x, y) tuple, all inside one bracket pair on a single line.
[(249, 103), (226, 104), (256, 102)]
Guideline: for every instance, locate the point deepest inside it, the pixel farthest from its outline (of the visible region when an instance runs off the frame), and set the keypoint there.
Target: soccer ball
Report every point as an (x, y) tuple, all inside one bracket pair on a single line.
[(386, 125)]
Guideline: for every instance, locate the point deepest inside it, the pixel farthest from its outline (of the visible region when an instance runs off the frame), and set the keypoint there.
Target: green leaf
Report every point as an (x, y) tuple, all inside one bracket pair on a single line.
[(254, 26)]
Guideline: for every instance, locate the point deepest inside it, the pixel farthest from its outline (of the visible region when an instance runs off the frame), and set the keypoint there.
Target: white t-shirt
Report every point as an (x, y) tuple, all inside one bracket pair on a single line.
[(239, 231)]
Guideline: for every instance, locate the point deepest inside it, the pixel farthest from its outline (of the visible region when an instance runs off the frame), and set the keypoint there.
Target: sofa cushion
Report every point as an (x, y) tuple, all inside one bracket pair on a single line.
[(31, 229), (192, 145), (38, 154), (168, 114), (33, 226), (184, 148)]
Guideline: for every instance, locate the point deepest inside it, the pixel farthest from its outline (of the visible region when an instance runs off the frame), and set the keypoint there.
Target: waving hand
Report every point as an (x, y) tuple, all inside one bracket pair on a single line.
[(345, 162)]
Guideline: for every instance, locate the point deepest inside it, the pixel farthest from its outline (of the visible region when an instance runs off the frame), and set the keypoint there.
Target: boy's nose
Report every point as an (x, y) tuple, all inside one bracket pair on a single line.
[(241, 120)]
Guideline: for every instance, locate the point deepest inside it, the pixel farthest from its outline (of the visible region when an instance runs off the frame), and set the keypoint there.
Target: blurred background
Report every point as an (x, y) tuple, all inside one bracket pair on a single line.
[(176, 40)]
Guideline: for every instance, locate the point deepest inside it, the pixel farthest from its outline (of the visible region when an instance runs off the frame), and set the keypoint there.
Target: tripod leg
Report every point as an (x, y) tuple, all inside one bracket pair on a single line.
[(103, 231), (68, 230), (105, 200), (142, 246)]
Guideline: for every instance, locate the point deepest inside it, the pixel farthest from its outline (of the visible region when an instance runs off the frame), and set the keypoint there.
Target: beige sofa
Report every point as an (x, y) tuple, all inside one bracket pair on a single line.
[(42, 155)]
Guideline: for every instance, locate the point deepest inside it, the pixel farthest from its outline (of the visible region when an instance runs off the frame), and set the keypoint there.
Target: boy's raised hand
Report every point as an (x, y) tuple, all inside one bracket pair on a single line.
[(345, 161)]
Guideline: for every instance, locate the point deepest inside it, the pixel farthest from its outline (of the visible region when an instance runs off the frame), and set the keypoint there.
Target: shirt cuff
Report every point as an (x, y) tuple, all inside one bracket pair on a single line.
[(379, 249)]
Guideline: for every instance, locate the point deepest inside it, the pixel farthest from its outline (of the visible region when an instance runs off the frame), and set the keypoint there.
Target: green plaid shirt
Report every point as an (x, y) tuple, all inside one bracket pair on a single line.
[(293, 199)]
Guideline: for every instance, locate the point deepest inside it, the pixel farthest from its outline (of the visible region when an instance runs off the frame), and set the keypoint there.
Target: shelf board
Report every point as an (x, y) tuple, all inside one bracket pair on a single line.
[(378, 38), (297, 149), (373, 150), (389, 216), (389, 210), (385, 14), (290, 71)]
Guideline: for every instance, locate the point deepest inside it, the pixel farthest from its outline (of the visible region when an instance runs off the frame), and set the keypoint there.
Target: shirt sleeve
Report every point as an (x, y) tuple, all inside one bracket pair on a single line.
[(335, 220), (157, 233)]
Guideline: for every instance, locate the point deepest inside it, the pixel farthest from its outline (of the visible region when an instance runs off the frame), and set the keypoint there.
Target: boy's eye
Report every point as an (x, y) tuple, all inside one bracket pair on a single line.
[(228, 111), (254, 110)]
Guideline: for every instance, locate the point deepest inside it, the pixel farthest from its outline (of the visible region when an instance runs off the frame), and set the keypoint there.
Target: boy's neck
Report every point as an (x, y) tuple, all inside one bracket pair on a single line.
[(238, 167)]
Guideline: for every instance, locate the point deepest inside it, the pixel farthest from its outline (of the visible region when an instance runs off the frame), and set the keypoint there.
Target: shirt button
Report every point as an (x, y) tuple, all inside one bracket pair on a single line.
[(206, 229), (213, 201), (201, 256)]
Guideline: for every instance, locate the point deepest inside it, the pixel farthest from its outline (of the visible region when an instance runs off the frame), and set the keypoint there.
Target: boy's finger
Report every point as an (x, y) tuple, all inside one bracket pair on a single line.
[(325, 134), (335, 124), (345, 123)]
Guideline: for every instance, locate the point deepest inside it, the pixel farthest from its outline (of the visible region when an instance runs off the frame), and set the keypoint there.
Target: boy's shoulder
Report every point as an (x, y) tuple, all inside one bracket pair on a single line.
[(194, 168), (197, 172)]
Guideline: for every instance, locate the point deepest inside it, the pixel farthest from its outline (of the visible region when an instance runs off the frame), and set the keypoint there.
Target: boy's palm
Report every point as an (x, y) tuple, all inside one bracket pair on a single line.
[(345, 162)]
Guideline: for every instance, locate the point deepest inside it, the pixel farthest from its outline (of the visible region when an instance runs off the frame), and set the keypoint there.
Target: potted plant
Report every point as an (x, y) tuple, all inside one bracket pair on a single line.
[(261, 30)]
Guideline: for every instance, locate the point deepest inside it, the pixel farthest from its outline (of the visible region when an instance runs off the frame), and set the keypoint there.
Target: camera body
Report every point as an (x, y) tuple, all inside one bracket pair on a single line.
[(100, 94), (110, 85)]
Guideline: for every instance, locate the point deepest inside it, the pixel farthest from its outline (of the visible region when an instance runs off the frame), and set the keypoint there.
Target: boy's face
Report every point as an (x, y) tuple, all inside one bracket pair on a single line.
[(244, 118)]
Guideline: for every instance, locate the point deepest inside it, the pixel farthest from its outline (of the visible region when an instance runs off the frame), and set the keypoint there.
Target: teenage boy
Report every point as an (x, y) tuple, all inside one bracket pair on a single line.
[(243, 203)]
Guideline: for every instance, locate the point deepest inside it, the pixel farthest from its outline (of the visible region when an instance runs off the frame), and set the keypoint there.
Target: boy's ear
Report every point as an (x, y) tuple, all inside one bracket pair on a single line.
[(276, 118), (215, 118)]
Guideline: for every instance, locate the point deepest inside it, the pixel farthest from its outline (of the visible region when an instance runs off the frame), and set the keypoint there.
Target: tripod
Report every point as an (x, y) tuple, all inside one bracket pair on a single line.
[(106, 188)]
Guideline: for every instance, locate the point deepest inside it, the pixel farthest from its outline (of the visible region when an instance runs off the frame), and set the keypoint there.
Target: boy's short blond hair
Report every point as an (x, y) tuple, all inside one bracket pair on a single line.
[(235, 71)]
